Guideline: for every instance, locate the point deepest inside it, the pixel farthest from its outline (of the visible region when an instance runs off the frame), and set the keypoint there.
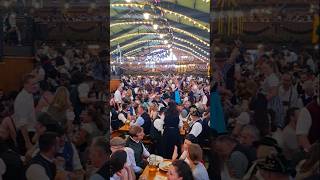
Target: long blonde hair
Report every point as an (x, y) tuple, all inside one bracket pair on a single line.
[(61, 99)]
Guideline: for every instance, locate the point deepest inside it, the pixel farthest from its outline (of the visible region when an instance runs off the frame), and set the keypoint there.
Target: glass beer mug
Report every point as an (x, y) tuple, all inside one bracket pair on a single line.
[(152, 163)]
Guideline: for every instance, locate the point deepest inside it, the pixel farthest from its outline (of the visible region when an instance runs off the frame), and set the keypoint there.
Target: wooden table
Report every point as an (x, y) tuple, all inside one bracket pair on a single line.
[(150, 175)]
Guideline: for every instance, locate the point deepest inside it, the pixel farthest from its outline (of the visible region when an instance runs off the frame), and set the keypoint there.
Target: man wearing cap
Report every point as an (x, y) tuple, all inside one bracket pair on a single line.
[(118, 143)]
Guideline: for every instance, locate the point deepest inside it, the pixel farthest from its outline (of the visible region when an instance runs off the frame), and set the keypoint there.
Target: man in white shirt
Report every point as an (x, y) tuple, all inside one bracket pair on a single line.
[(24, 112), (159, 122), (118, 96)]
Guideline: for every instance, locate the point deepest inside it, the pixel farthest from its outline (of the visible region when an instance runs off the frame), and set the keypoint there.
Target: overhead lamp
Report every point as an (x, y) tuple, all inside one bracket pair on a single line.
[(146, 15), (155, 26), (161, 36), (165, 41), (128, 1)]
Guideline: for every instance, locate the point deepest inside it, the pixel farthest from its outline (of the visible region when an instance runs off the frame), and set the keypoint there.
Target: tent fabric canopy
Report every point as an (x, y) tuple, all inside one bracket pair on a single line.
[(188, 19)]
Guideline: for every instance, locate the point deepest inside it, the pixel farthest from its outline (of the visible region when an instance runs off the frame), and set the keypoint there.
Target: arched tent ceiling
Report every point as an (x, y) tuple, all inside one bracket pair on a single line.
[(188, 19)]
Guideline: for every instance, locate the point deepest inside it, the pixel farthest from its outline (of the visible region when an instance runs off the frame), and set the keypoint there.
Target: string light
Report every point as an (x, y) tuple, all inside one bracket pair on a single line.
[(158, 41), (204, 26), (173, 28), (155, 26), (191, 35), (190, 50), (180, 39), (146, 16), (192, 44), (131, 34), (166, 42), (135, 42)]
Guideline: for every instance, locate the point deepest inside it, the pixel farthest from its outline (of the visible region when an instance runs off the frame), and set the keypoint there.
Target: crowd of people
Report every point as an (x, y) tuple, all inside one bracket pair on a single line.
[(270, 118), (55, 126), (257, 118), (169, 111)]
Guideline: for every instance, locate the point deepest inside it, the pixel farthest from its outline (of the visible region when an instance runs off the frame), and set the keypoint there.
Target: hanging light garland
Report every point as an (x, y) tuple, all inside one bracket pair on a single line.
[(158, 41), (195, 52), (151, 23), (180, 39), (204, 26), (136, 42), (191, 35)]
